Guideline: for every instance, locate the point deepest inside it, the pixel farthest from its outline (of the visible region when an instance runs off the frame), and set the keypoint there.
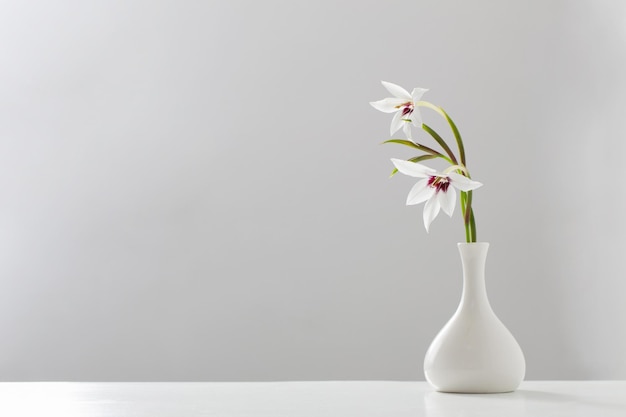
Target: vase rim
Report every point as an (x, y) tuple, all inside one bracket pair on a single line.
[(472, 243)]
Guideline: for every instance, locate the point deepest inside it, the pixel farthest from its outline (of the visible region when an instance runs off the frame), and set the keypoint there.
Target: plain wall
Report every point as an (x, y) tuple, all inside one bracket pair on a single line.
[(196, 190)]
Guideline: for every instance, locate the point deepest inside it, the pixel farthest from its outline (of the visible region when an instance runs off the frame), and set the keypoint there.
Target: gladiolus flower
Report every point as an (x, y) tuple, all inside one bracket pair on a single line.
[(437, 189), (404, 105)]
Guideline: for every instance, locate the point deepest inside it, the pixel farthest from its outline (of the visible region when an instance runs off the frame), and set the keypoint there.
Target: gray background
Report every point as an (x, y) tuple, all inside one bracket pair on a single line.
[(195, 190)]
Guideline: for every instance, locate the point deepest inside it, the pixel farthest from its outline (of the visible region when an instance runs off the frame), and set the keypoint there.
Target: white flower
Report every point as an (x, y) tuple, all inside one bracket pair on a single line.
[(437, 189), (404, 105)]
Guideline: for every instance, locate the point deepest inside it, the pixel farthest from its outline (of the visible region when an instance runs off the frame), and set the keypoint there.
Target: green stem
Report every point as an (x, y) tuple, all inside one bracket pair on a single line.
[(463, 207), (468, 208), (473, 226), (468, 219)]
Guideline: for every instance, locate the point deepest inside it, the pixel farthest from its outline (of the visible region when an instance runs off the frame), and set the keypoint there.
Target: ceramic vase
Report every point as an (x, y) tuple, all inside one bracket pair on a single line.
[(474, 352)]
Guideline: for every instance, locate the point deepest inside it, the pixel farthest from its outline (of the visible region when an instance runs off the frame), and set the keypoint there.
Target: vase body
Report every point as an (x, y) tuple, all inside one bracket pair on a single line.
[(474, 352)]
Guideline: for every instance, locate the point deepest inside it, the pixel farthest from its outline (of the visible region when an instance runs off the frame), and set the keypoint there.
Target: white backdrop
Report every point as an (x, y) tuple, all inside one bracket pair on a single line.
[(195, 190)]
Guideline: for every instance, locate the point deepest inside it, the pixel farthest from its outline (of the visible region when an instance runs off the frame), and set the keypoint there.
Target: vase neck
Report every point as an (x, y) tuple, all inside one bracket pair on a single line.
[(473, 258)]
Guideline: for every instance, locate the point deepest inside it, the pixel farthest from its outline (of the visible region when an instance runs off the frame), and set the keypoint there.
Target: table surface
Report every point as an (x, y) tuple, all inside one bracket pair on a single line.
[(299, 399)]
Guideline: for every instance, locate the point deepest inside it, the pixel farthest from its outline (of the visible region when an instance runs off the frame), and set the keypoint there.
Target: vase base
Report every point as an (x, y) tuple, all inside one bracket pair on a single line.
[(474, 392), (475, 386)]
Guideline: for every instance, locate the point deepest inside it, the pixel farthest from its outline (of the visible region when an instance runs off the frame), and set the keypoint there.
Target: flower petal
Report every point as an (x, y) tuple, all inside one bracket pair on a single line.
[(413, 169), (406, 128), (431, 210), (417, 94), (396, 123), (388, 105), (419, 193), (447, 200), (463, 183), (396, 90), (416, 118)]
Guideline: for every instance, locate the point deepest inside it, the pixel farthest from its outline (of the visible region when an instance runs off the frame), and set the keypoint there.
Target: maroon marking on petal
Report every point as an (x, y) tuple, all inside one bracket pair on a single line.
[(439, 183), (407, 108)]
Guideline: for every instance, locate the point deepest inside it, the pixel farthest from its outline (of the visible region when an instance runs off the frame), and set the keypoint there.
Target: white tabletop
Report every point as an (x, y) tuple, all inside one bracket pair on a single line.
[(299, 399)]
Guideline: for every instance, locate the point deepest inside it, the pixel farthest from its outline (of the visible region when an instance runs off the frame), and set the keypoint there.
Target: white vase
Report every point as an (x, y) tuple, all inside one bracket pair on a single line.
[(474, 352)]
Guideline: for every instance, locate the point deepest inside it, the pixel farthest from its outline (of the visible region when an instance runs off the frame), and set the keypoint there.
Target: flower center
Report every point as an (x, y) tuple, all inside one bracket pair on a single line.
[(407, 108), (439, 183)]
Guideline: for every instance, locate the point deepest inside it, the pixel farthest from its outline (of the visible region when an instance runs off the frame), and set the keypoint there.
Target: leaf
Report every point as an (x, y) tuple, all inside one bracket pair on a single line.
[(403, 142), (422, 158), (441, 142), (416, 146)]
